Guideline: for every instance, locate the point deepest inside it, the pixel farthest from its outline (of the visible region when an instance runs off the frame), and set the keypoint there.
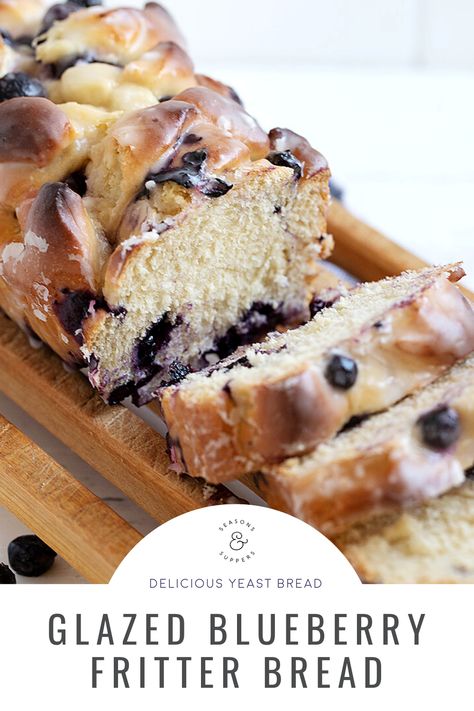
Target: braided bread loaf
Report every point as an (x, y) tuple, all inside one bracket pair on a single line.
[(146, 242)]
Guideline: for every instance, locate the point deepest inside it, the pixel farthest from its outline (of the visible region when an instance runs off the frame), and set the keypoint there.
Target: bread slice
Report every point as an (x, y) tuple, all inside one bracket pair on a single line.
[(431, 543), (417, 450), (280, 399)]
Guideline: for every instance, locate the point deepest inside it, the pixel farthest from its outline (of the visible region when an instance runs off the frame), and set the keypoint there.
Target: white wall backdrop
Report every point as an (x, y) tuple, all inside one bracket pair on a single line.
[(370, 32)]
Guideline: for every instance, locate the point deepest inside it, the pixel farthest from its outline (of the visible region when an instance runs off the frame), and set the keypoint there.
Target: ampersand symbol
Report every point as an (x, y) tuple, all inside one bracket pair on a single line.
[(236, 542)]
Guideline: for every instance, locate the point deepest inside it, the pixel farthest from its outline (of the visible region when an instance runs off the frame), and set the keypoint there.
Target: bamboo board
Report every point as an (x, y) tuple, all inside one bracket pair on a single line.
[(116, 442)]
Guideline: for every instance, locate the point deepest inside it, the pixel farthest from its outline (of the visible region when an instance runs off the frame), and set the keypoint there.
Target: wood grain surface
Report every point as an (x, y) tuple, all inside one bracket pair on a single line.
[(113, 440), (63, 512)]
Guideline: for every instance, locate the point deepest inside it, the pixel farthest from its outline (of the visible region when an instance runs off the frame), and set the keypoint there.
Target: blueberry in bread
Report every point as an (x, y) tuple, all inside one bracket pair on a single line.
[(280, 399), (416, 450), (145, 243)]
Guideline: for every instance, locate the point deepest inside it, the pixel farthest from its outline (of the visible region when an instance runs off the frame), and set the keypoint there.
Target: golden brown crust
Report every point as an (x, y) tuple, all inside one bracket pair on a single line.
[(32, 130), (61, 253)]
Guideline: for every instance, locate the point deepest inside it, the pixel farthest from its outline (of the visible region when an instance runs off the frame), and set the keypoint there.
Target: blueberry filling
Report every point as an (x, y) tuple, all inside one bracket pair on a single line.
[(77, 182), (7, 576), (440, 428), (254, 324), (29, 555), (17, 84), (317, 304), (287, 160), (61, 11), (341, 372), (74, 308), (157, 336), (191, 174)]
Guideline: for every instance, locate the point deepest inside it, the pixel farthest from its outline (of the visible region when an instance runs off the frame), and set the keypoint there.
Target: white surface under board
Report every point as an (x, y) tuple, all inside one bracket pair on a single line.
[(401, 145)]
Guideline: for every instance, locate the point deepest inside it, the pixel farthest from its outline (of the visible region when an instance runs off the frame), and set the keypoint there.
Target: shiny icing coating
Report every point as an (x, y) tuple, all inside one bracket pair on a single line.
[(384, 465)]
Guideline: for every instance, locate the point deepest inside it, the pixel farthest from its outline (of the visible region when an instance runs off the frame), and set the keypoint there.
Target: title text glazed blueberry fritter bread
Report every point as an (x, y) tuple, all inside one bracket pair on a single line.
[(143, 243)]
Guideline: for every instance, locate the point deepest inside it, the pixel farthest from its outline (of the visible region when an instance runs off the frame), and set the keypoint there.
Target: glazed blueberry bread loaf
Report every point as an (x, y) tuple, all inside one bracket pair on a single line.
[(142, 244), (416, 450), (281, 398)]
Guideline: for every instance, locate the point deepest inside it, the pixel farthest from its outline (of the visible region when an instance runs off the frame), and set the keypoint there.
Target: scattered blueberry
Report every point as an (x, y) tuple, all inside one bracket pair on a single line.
[(16, 84), (337, 191), (7, 576), (440, 428), (341, 371), (29, 555), (286, 159)]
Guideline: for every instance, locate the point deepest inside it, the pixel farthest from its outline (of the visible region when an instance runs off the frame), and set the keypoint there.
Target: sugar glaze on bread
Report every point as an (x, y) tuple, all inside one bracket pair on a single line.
[(416, 450)]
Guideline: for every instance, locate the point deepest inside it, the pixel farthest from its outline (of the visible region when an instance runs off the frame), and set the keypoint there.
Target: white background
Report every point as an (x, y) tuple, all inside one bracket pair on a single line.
[(383, 87)]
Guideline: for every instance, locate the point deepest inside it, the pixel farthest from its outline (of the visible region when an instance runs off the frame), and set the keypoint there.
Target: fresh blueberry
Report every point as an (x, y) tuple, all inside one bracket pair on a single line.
[(7, 576), (17, 84), (341, 372), (286, 159), (440, 428), (29, 555)]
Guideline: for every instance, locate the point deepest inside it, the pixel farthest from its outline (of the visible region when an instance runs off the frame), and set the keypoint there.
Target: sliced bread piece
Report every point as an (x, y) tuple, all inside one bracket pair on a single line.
[(415, 451), (283, 397), (432, 543)]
